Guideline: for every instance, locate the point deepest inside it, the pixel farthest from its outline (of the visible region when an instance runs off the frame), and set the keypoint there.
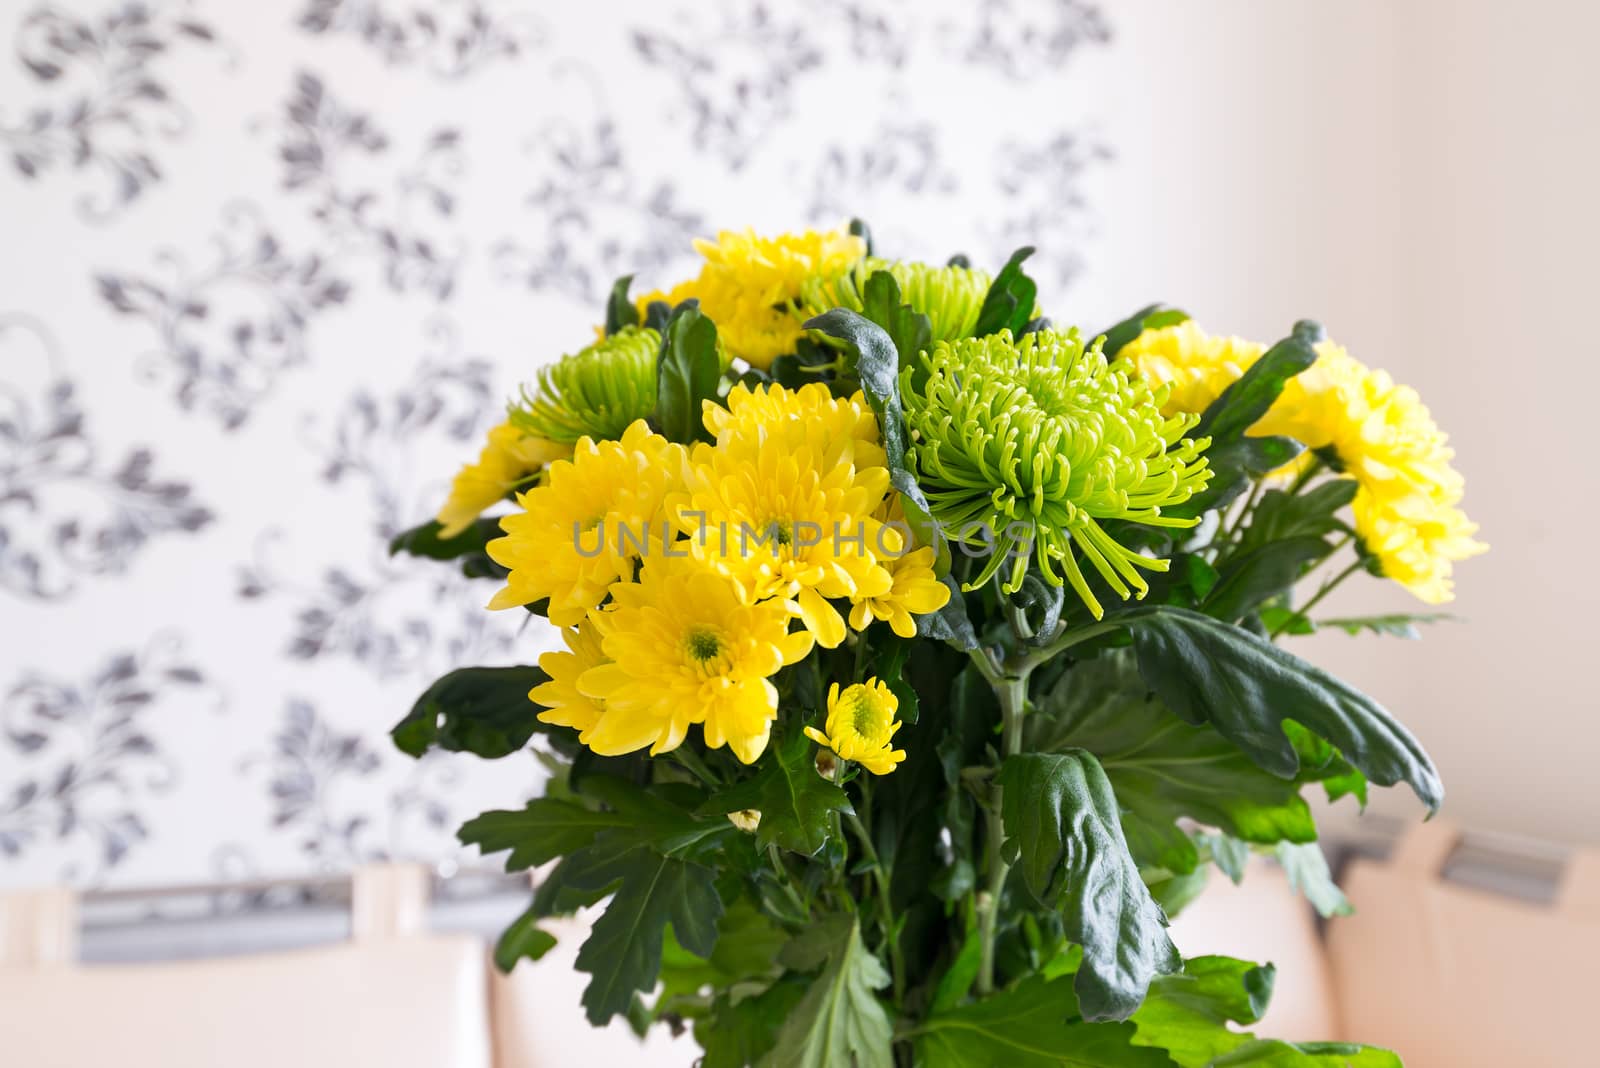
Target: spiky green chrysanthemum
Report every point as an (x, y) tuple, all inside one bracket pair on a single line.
[(1027, 445), (951, 297), (597, 391)]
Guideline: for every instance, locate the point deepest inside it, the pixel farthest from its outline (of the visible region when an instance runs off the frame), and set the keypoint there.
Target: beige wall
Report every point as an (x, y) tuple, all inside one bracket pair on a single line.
[(1421, 177)]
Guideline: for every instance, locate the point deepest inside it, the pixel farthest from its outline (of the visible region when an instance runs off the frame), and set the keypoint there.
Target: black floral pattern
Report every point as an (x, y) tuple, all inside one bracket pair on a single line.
[(400, 226), (294, 217), (88, 754), (102, 98), (1045, 205), (736, 71), (452, 38), (596, 216), (64, 513), (387, 615), (1021, 38), (226, 332)]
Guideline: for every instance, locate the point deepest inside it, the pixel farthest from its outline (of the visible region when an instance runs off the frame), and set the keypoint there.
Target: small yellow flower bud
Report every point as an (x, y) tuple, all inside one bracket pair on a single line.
[(746, 819), (827, 763)]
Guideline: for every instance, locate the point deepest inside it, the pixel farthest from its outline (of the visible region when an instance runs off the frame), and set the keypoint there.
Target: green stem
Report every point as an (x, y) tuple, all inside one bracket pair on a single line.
[(697, 767), (897, 965), (1327, 587), (1012, 690)]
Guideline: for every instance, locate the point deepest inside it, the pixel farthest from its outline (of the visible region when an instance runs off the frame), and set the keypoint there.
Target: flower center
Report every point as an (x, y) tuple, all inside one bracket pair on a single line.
[(703, 645)]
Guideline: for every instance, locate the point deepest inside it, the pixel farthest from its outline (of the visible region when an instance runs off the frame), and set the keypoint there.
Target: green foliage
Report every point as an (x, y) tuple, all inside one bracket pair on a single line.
[(999, 898), (1187, 1016), (910, 330), (839, 1022), (1032, 1025), (1235, 456), (797, 805), (1011, 298), (689, 374), (1209, 672), (523, 939), (877, 366), (1163, 769), (466, 548), (623, 951), (620, 311), (1062, 824), (1308, 873), (484, 711)]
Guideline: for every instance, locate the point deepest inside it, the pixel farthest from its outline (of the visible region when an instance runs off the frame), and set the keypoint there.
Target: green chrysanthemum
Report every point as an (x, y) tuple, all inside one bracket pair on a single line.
[(597, 391), (951, 297), (1028, 445)]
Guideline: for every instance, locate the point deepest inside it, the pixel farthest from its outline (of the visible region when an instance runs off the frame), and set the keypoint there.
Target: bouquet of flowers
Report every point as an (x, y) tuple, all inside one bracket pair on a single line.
[(922, 655)]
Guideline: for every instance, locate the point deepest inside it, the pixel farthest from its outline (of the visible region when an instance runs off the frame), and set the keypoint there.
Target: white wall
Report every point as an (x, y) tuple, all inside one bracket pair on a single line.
[(1421, 177)]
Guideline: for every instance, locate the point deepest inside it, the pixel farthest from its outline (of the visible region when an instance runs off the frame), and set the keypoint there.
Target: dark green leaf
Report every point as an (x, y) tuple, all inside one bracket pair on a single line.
[(656, 314), (623, 951), (1308, 873), (1233, 465), (1395, 625), (956, 982), (908, 328), (620, 311), (1010, 300), (1153, 317), (1032, 1025), (1176, 892), (524, 938), (467, 547), (860, 229), (1062, 823), (546, 829), (1210, 672), (738, 1034), (688, 374), (1161, 768), (1271, 1053), (950, 623), (1040, 604), (1310, 513), (484, 711), (1244, 402), (839, 1022), (1257, 575), (796, 804), (877, 367), (1188, 1016)]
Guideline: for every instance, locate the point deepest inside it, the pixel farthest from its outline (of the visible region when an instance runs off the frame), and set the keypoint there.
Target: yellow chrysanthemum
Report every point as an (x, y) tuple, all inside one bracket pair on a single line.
[(1384, 436), (1379, 433), (785, 523), (914, 588), (861, 726), (845, 431), (508, 457), (587, 524), (685, 646), (1197, 365), (748, 283), (565, 704)]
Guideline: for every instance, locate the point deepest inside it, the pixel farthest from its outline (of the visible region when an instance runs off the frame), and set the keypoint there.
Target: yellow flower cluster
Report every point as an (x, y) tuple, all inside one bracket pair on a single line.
[(1406, 507), (508, 457), (748, 283), (678, 573), (861, 726)]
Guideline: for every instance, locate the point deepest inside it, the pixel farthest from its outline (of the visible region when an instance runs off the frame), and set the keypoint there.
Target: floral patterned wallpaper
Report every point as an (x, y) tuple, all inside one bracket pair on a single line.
[(270, 271)]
